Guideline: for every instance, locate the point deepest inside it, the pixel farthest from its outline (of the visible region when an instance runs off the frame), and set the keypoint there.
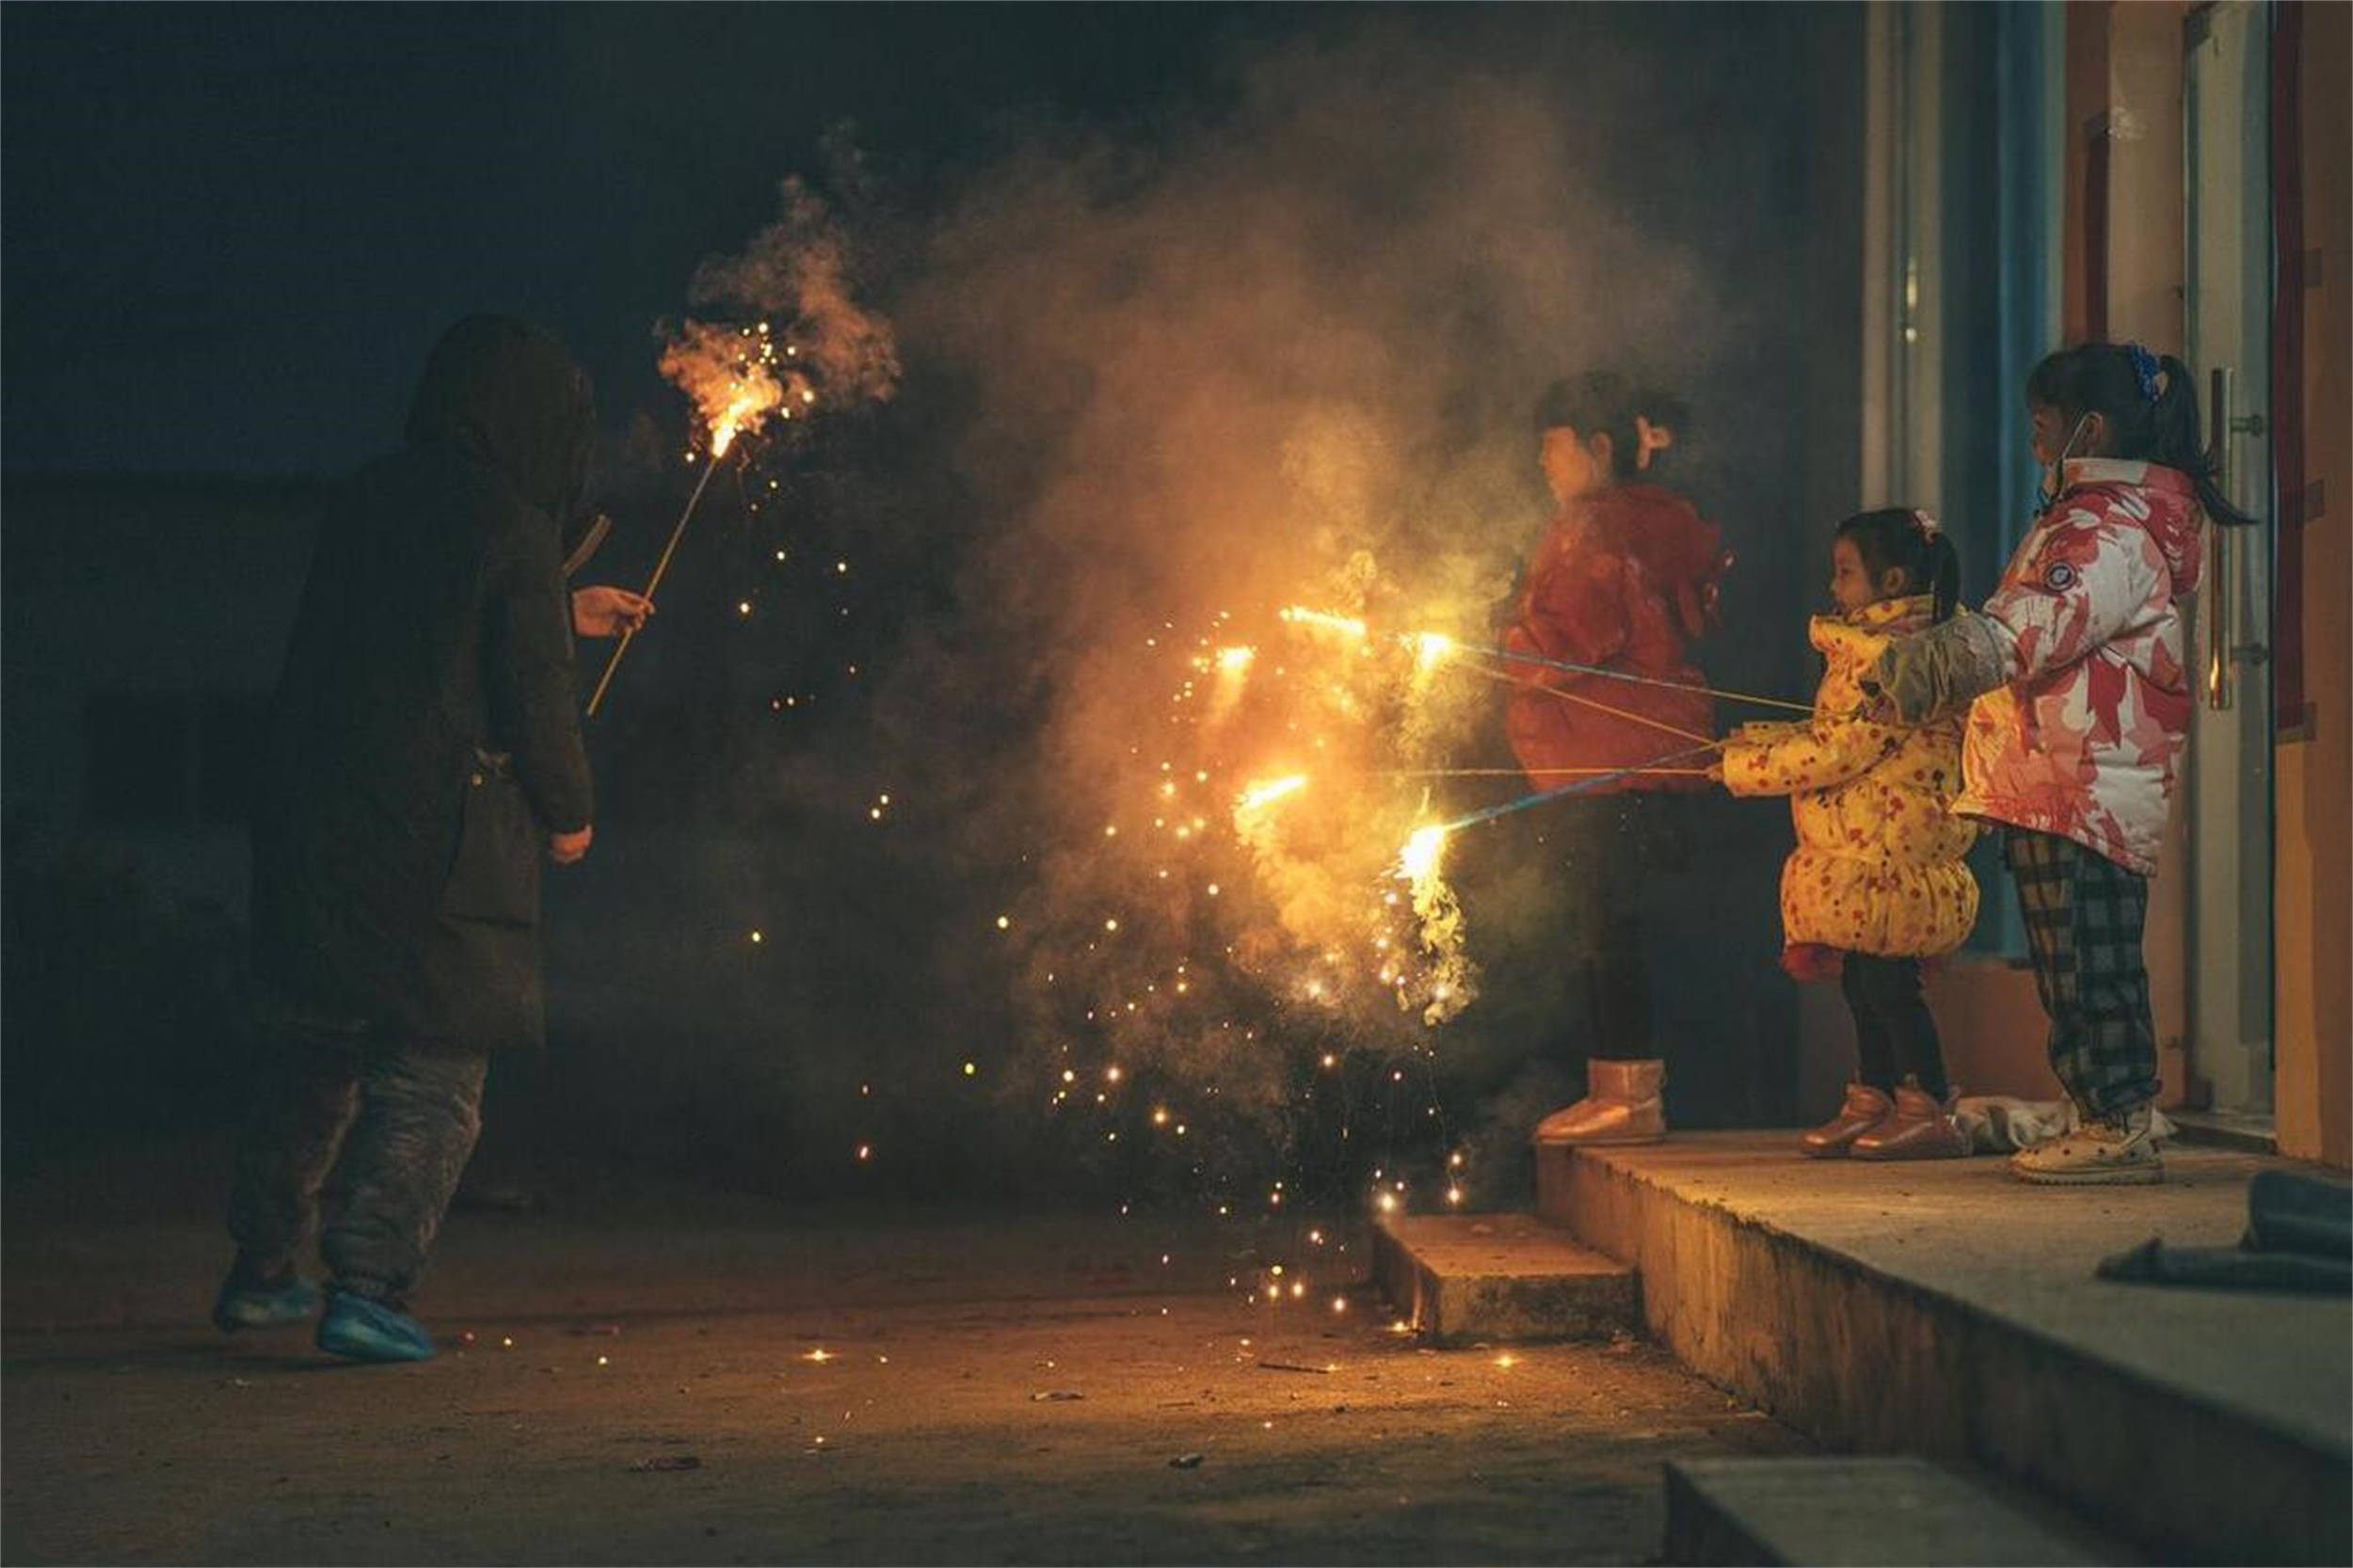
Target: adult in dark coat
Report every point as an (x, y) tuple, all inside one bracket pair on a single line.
[(425, 750)]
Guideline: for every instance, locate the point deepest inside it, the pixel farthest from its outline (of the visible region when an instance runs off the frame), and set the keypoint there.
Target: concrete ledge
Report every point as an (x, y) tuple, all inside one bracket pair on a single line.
[(1459, 1278), (1837, 1512), (1944, 1309)]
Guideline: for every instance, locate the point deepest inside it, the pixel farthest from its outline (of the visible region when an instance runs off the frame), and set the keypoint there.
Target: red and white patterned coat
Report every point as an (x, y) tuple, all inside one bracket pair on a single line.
[(2086, 738)]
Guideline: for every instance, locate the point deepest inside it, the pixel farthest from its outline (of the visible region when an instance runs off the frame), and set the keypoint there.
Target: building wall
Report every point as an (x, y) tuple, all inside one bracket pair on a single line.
[(2123, 104), (2313, 895), (159, 586), (2123, 278)]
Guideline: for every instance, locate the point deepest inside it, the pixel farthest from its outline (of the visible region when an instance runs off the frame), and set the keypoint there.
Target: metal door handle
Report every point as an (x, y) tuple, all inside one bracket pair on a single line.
[(2217, 607)]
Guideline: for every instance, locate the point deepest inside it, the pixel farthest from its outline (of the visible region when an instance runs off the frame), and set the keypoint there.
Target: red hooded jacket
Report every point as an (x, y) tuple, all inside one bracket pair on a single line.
[(1623, 580)]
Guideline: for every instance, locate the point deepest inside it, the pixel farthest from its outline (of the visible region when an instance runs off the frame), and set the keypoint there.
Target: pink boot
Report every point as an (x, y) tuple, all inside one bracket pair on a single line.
[(1622, 1106)]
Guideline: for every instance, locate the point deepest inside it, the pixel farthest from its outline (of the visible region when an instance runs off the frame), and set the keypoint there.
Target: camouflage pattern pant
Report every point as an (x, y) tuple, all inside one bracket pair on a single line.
[(393, 1126)]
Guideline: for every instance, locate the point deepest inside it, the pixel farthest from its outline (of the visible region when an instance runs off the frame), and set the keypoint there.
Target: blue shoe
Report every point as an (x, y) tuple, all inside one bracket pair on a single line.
[(364, 1330), (244, 1303)]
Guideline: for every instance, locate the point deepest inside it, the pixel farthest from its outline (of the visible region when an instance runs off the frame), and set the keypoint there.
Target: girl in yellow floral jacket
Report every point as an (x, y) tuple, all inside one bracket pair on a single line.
[(1877, 882)]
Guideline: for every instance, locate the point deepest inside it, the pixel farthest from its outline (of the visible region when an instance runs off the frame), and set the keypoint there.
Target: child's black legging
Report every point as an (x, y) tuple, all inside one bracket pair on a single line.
[(1894, 1033)]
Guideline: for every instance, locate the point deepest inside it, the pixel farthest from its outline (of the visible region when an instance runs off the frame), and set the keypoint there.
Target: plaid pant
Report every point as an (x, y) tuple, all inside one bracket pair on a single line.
[(2084, 916)]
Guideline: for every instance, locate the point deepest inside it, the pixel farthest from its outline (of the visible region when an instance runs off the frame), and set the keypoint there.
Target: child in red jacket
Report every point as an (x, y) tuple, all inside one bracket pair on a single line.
[(1626, 577)]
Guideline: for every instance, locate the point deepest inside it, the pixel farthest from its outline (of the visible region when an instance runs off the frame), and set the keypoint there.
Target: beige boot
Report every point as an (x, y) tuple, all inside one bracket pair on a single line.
[(2115, 1151), (1864, 1110), (1622, 1106), (1919, 1128)]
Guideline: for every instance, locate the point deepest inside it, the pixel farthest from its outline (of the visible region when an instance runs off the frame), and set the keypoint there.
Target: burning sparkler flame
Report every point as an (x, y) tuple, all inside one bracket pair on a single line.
[(1233, 661), (734, 377), (1260, 795), (1299, 614), (1429, 648), (1419, 861)]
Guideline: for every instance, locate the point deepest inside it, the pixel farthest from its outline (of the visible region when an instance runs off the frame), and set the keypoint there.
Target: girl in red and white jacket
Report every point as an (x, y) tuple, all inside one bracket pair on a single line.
[(2078, 701)]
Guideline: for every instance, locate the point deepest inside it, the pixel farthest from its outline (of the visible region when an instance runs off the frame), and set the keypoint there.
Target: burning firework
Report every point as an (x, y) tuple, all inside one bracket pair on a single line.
[(740, 377)]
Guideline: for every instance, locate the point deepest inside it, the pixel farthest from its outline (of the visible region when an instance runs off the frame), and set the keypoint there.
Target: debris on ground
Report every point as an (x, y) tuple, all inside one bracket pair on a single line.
[(1294, 1367), (1185, 1462), (666, 1462), (1055, 1395)]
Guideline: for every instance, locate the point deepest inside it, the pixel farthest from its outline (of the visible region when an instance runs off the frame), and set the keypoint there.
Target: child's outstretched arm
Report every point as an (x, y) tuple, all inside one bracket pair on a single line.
[(1800, 758), (2086, 582)]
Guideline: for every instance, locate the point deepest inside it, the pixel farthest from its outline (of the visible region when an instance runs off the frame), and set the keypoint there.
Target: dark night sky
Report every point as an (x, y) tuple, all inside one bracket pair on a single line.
[(231, 232), (230, 235)]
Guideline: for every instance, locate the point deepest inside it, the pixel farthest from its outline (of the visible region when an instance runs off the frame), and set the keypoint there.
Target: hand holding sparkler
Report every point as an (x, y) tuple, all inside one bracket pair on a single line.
[(604, 681), (609, 612), (735, 381), (567, 849)]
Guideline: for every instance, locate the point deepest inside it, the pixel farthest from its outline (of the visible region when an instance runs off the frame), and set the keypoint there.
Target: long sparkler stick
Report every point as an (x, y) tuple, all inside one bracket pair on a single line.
[(1488, 814), (1540, 661), (1583, 701), (604, 681), (1440, 648), (1520, 772)]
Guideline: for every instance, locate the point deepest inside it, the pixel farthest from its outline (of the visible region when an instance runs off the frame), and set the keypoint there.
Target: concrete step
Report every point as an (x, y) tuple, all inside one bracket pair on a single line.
[(1944, 1309), (1836, 1512), (1463, 1277)]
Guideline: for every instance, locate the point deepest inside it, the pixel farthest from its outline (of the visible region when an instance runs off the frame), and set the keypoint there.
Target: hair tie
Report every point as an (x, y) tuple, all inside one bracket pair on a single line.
[(1926, 524), (1649, 437), (2145, 367)]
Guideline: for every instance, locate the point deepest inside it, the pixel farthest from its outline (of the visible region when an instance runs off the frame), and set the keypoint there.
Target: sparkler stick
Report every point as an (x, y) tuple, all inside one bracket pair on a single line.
[(1517, 773), (1434, 647), (1630, 676), (604, 681), (1488, 814), (1629, 715)]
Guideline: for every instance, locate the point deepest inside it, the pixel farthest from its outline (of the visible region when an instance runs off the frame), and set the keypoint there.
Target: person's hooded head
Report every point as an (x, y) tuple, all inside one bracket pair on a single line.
[(512, 396)]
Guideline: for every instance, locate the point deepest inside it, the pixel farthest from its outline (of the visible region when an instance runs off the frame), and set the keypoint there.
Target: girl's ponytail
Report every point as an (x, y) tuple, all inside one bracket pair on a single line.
[(2175, 437), (1941, 563), (2150, 403)]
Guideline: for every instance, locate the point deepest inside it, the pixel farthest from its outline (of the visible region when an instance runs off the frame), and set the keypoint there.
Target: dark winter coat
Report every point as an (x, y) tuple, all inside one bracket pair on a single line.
[(397, 848)]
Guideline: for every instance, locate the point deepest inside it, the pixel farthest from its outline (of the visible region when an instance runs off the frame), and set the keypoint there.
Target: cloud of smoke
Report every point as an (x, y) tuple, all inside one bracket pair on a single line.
[(795, 338), (797, 272), (1279, 356)]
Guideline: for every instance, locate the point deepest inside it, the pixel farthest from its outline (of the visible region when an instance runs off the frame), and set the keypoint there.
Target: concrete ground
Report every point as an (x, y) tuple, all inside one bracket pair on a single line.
[(698, 1380)]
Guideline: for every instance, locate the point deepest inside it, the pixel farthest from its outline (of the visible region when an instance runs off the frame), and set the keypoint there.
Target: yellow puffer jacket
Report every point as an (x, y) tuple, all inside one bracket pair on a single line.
[(1878, 867)]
